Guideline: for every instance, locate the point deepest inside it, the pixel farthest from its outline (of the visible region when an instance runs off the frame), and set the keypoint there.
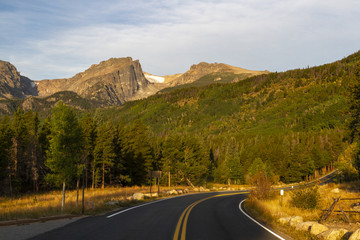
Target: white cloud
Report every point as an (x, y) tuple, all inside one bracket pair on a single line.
[(168, 35)]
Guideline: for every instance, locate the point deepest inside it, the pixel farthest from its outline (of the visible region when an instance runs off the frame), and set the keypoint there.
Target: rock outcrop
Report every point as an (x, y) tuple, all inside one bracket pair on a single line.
[(295, 220), (318, 228), (138, 196), (334, 234), (305, 226), (12, 84), (199, 70), (114, 81), (355, 235)]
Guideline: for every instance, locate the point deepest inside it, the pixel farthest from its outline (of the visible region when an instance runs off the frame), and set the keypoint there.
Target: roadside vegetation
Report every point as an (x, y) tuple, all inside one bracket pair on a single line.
[(291, 127), (49, 203), (309, 204)]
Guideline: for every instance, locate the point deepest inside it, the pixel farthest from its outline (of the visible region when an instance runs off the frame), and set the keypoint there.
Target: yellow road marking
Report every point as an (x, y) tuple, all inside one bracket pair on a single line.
[(176, 235), (185, 215)]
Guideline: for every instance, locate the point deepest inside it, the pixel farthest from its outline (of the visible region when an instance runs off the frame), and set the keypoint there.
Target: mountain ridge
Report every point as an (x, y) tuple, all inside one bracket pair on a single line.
[(110, 82)]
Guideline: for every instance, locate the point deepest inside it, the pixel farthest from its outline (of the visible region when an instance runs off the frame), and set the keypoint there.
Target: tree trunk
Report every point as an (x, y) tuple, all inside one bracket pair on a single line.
[(77, 192), (93, 178), (169, 179), (103, 175), (86, 172), (10, 184), (83, 193), (63, 199), (189, 182)]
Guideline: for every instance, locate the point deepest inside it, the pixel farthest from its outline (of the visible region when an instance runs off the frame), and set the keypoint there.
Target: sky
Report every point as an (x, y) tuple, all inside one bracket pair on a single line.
[(59, 38)]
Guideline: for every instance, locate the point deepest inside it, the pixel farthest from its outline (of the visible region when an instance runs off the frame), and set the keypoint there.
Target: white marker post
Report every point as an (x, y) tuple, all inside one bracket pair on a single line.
[(282, 194)]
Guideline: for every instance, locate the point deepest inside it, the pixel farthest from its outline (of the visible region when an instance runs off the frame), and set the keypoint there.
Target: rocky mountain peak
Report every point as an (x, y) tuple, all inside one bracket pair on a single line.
[(201, 69), (12, 84), (106, 67), (113, 81)]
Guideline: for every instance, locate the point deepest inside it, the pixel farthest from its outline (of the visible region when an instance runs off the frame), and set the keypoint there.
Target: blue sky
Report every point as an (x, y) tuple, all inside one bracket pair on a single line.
[(59, 38)]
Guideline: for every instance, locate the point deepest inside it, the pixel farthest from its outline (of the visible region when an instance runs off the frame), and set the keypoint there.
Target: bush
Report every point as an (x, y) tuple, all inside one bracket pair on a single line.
[(307, 198), (262, 187)]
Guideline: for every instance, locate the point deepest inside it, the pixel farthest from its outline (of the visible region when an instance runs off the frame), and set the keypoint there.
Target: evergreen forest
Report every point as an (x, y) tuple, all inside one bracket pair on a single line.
[(299, 123)]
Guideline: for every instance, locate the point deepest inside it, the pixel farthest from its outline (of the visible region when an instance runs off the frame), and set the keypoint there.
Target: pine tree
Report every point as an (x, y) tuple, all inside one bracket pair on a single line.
[(88, 127), (66, 145), (138, 152), (6, 164), (172, 156), (233, 162), (104, 151), (354, 125), (44, 136), (196, 164)]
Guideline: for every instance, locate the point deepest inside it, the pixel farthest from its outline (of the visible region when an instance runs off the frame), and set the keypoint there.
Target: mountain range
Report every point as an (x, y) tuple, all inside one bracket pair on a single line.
[(109, 83)]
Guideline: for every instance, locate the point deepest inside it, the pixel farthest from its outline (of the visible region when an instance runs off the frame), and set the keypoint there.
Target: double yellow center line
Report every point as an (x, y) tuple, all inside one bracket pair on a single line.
[(185, 215)]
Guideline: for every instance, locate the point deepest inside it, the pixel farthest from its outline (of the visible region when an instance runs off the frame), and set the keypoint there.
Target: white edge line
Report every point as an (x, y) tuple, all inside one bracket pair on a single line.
[(128, 209), (240, 207)]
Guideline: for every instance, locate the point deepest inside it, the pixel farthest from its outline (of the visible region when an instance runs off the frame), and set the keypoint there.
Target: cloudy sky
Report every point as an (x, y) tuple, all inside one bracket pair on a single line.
[(48, 39)]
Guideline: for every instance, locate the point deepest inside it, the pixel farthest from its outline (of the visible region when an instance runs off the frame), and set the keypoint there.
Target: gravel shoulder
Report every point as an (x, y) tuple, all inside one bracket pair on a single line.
[(26, 231)]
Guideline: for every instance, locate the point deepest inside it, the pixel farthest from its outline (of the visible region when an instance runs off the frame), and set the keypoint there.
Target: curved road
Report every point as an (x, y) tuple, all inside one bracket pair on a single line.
[(197, 216)]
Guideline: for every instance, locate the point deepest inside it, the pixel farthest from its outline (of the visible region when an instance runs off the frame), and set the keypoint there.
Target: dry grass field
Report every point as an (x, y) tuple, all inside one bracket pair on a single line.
[(270, 210), (49, 204)]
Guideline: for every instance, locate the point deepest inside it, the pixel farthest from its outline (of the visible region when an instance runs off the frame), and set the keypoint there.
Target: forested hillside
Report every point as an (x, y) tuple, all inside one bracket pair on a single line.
[(294, 121)]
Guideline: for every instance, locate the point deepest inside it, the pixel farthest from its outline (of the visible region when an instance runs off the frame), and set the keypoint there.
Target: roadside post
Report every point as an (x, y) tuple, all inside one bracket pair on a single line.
[(281, 194), (157, 175)]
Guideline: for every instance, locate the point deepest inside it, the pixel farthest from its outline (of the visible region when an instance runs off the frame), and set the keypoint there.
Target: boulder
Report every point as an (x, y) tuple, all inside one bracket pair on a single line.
[(180, 191), (335, 190), (333, 234), (355, 235), (295, 220), (138, 196), (201, 189), (186, 190), (195, 189), (304, 226), (173, 192), (284, 220), (355, 206), (207, 190), (318, 228), (150, 195)]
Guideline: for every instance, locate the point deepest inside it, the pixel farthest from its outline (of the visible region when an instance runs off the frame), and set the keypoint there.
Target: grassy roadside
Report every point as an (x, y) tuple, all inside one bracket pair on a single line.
[(258, 210), (49, 204), (270, 210), (97, 201)]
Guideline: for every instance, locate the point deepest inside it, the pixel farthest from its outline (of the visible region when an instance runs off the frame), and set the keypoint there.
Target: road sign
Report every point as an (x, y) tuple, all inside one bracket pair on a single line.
[(155, 174)]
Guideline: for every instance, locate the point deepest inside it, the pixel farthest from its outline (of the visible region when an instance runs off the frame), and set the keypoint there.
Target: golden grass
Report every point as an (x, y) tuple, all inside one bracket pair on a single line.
[(49, 204), (232, 187), (270, 210), (286, 210)]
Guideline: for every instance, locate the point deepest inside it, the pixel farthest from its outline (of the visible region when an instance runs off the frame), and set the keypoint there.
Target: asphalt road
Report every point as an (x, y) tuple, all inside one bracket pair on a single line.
[(198, 216)]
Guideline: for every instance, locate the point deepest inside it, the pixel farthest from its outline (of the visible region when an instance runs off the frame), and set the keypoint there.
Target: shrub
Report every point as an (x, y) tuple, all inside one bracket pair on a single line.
[(307, 198), (262, 186)]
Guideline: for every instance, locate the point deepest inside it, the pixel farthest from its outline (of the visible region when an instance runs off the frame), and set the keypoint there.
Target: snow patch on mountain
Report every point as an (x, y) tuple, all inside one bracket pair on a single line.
[(153, 78)]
